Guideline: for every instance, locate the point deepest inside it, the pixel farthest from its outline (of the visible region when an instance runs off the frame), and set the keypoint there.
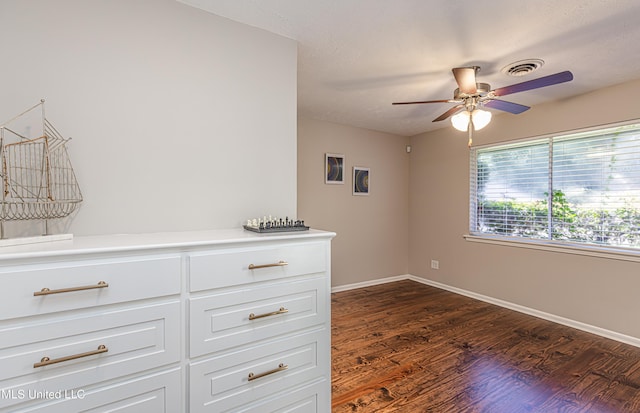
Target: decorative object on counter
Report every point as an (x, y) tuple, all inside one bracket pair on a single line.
[(333, 168), (38, 181), (360, 181), (270, 224)]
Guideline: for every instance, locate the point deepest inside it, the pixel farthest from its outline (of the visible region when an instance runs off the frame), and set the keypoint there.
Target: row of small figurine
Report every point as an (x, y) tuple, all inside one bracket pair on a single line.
[(264, 223)]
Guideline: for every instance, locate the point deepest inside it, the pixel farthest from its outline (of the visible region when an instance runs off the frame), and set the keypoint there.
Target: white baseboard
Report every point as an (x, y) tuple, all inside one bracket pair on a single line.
[(623, 338), (370, 283)]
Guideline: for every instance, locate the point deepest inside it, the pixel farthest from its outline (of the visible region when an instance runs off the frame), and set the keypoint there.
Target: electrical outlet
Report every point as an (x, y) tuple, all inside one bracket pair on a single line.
[(435, 264)]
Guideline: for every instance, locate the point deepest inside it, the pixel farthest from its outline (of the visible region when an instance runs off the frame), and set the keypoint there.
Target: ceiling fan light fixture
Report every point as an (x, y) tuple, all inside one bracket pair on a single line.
[(480, 118), (461, 121)]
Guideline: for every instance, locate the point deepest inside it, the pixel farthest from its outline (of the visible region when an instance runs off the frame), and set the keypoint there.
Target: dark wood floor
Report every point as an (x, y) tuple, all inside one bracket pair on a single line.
[(407, 347)]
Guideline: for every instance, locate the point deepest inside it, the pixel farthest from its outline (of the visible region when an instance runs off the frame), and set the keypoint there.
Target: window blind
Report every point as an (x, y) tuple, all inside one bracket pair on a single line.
[(599, 176), (582, 187)]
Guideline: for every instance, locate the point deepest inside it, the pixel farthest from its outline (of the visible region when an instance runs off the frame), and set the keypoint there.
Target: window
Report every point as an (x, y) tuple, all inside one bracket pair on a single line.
[(577, 188)]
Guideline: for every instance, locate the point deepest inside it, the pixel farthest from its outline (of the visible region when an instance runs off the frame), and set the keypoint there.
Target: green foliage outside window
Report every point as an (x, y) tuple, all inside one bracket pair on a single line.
[(568, 222)]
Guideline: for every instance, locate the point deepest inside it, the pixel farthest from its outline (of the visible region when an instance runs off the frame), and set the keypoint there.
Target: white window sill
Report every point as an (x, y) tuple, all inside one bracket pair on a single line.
[(622, 254)]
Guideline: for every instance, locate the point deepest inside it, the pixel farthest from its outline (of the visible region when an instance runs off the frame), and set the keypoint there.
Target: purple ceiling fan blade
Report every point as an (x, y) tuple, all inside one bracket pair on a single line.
[(561, 77), (505, 106)]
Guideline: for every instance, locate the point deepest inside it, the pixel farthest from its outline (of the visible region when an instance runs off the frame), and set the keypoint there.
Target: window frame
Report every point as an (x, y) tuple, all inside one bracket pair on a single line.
[(562, 246)]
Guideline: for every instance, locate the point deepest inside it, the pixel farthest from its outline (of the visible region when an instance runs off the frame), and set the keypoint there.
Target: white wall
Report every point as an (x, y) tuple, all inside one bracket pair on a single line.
[(180, 119), (372, 232)]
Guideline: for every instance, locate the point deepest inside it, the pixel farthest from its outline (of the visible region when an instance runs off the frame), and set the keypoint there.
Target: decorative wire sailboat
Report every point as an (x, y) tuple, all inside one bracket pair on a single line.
[(38, 181)]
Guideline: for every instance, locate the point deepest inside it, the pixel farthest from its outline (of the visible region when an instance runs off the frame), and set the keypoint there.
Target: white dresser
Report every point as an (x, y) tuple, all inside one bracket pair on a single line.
[(211, 321)]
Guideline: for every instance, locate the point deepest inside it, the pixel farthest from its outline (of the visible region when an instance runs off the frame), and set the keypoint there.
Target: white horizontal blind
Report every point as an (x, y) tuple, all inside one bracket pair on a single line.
[(582, 187), (598, 174), (512, 190)]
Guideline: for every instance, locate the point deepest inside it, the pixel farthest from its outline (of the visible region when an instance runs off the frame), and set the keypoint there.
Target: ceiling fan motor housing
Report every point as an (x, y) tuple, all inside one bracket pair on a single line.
[(481, 90)]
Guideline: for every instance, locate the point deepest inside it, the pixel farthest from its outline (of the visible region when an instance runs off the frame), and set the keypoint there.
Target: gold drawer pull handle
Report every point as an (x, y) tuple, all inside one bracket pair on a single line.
[(281, 367), (47, 361), (276, 264), (282, 310), (46, 291)]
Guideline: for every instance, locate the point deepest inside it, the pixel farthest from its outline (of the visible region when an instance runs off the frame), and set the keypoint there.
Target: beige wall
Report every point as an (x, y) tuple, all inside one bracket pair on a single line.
[(372, 240), (596, 291), (180, 119)]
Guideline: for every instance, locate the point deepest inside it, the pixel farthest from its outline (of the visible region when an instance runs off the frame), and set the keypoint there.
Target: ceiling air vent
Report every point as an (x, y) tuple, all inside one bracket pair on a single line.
[(522, 67)]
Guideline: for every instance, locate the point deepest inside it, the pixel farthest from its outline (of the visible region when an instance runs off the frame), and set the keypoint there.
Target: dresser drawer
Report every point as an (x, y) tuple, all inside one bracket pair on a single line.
[(255, 313), (87, 348), (125, 279), (313, 398), (241, 266), (242, 377), (158, 393)]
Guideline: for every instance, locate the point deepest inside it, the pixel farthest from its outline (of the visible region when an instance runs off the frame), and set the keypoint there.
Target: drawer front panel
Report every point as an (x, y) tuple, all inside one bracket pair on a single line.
[(135, 339), (232, 267), (127, 280), (223, 383), (314, 398), (158, 393), (224, 320)]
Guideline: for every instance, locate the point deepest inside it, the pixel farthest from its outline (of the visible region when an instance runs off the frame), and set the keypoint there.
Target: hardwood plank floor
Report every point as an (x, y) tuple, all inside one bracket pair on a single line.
[(408, 347)]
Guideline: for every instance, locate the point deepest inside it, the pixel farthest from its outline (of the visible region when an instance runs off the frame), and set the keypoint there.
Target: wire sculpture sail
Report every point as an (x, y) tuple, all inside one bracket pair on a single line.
[(37, 178)]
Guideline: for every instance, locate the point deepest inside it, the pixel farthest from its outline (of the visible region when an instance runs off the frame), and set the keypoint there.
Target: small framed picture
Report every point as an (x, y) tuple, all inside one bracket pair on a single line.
[(360, 180), (333, 168)]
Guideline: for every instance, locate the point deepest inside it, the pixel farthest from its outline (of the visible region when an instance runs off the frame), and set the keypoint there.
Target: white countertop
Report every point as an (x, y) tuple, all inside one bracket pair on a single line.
[(136, 242)]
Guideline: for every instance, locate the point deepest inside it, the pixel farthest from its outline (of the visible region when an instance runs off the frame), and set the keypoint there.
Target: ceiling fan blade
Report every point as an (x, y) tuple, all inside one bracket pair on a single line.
[(466, 79), (423, 101), (448, 113), (505, 106), (561, 77)]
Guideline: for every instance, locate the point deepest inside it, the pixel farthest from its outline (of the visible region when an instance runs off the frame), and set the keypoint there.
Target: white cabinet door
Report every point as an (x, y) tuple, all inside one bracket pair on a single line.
[(237, 378), (216, 269), (251, 314), (134, 339), (312, 398), (124, 279), (158, 393)]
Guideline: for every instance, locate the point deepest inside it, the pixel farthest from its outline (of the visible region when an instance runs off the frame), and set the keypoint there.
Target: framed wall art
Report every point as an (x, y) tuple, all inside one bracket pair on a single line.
[(333, 168), (360, 180)]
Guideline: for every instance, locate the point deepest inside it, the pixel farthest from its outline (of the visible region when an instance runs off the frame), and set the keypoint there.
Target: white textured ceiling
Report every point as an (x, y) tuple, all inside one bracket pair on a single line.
[(355, 57)]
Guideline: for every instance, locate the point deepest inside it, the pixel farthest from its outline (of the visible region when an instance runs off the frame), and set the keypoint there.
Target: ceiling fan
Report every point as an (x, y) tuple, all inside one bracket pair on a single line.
[(471, 95)]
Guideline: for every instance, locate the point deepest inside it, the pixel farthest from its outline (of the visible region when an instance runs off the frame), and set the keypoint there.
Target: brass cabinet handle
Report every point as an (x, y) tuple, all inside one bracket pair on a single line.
[(280, 367), (282, 310), (46, 291), (45, 361), (275, 264)]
